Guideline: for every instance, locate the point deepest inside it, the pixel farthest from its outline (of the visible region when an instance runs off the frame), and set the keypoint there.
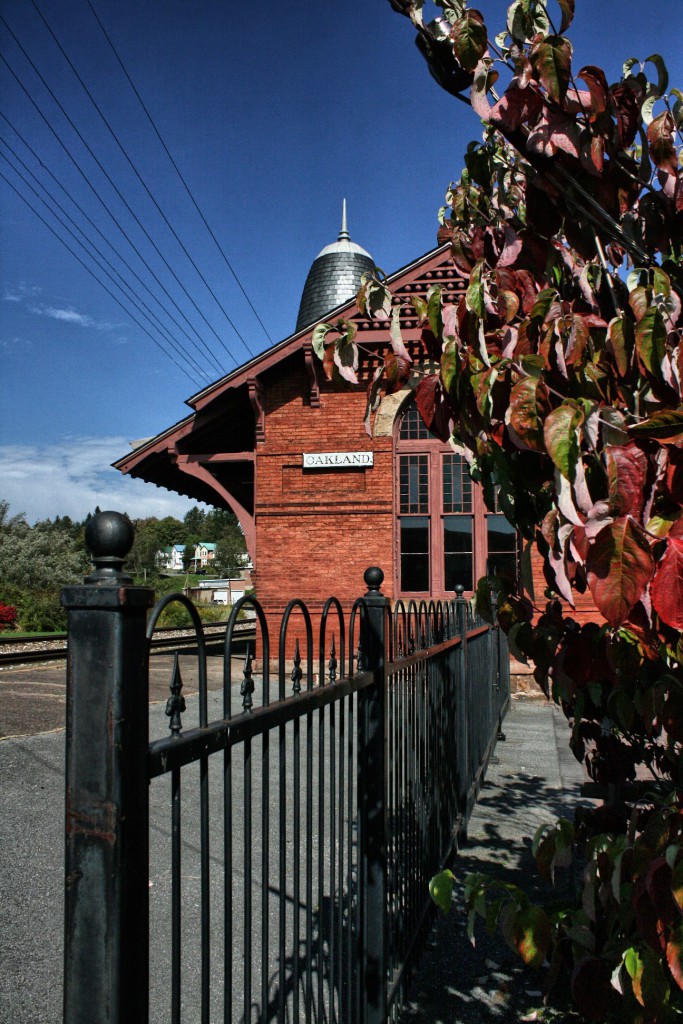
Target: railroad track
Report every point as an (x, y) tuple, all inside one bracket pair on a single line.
[(52, 646)]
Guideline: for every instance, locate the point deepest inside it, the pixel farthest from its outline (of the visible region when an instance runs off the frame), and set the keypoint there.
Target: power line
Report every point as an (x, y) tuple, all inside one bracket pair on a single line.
[(148, 315), (99, 197), (116, 190), (142, 181), (92, 274), (120, 196), (176, 168), (106, 240)]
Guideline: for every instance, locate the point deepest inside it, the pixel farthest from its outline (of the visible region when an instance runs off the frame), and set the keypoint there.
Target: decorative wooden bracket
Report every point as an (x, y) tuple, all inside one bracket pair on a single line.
[(312, 363), (256, 399)]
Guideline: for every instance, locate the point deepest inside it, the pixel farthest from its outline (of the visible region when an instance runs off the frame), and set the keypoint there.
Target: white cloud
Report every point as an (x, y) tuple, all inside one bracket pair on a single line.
[(74, 475), (21, 293), (28, 296), (69, 316)]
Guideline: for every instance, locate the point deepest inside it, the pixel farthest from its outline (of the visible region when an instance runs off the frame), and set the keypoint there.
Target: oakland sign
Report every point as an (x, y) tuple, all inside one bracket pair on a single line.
[(337, 460)]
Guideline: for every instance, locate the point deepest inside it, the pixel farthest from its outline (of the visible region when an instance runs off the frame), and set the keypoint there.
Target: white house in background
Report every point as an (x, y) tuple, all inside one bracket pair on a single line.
[(171, 558)]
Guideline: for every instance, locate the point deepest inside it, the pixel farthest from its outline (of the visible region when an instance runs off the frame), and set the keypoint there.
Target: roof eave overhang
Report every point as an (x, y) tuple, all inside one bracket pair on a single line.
[(287, 346)]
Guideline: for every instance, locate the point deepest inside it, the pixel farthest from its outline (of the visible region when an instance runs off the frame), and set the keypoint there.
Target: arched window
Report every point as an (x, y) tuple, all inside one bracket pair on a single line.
[(445, 534)]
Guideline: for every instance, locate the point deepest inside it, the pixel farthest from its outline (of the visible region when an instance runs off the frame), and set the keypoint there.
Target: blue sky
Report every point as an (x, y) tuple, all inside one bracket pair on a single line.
[(273, 115)]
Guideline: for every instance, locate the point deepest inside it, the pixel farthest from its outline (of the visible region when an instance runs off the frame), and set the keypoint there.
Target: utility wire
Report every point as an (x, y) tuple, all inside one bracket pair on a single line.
[(142, 181), (107, 241), (92, 274), (83, 244), (177, 169), (120, 196), (101, 200)]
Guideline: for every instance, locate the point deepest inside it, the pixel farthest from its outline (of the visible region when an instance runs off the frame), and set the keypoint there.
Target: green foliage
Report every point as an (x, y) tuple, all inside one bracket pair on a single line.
[(622, 944), (176, 615), (41, 557), (41, 612), (561, 374)]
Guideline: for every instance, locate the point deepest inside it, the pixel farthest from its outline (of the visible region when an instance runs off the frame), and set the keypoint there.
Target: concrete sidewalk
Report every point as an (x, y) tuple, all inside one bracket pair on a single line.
[(532, 778)]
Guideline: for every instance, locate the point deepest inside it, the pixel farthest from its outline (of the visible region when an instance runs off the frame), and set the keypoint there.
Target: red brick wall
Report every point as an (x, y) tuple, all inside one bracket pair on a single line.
[(317, 531)]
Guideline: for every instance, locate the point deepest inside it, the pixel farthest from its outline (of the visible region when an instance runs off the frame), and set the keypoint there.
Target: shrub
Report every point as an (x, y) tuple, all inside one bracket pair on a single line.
[(41, 612), (8, 616)]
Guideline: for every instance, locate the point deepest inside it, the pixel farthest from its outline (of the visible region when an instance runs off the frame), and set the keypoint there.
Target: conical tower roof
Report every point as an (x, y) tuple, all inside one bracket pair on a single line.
[(334, 277)]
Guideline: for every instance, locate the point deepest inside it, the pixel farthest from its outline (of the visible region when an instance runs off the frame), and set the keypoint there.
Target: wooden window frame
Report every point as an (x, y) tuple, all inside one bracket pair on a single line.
[(435, 449)]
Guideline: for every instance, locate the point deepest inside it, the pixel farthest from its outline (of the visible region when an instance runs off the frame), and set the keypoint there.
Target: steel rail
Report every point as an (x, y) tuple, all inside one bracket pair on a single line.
[(213, 636)]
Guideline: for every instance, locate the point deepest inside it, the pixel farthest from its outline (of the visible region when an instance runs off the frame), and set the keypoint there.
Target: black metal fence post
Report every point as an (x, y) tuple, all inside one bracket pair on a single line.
[(106, 918), (372, 808), (464, 711)]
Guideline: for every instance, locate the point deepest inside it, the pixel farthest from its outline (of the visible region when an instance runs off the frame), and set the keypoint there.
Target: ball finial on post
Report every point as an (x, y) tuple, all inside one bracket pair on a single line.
[(374, 578), (109, 537)]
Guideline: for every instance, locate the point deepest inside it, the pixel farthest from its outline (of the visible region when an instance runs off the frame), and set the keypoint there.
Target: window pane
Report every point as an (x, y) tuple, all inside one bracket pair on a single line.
[(415, 554), (412, 426), (457, 546), (457, 485), (414, 483), (502, 547)]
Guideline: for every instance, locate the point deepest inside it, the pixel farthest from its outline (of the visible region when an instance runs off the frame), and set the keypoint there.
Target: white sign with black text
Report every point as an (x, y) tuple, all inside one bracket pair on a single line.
[(337, 460)]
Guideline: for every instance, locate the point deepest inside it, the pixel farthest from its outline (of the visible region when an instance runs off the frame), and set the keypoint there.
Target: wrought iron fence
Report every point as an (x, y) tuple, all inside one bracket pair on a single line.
[(328, 789)]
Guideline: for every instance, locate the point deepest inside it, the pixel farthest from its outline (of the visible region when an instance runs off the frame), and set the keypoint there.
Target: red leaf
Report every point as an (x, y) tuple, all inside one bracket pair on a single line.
[(398, 370), (674, 956), (527, 931), (667, 586), (627, 102), (620, 342), (485, 77), (646, 916), (591, 988), (551, 57), (553, 132), (567, 7), (431, 343), (516, 107), (619, 568), (526, 414), (597, 86), (512, 246), (664, 426), (660, 138), (626, 474), (434, 407), (670, 719), (328, 361), (469, 39), (639, 300), (658, 884)]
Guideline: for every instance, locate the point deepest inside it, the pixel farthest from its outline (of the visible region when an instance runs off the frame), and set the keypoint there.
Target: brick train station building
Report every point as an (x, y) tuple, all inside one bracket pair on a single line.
[(317, 498)]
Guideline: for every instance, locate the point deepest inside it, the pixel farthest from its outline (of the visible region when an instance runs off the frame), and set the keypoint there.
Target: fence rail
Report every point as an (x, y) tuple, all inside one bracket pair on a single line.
[(294, 834)]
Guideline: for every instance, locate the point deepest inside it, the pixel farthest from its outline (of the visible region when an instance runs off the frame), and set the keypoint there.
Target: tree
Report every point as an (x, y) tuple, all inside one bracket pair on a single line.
[(230, 552), (8, 522), (560, 375), (40, 558), (194, 521)]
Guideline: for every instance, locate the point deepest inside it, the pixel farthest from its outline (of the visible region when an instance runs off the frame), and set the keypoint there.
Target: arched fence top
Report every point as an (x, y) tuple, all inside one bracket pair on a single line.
[(332, 604), (248, 601), (296, 675), (175, 704)]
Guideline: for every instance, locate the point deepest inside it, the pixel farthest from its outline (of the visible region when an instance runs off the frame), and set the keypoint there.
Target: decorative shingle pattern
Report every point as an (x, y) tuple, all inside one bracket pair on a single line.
[(334, 278)]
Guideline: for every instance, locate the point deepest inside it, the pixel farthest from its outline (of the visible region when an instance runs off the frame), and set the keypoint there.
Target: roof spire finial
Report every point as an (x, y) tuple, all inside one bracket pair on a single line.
[(344, 236)]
